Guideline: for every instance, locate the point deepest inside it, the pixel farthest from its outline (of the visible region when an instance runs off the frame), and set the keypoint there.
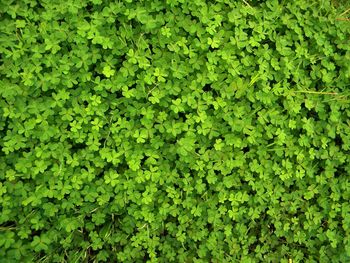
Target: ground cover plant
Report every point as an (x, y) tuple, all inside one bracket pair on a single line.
[(174, 131)]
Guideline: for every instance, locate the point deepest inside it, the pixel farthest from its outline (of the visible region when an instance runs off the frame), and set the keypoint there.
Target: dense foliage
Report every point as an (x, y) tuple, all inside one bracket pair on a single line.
[(174, 131)]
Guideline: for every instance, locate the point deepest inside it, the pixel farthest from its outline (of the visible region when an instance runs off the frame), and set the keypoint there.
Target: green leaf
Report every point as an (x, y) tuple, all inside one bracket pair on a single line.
[(108, 71)]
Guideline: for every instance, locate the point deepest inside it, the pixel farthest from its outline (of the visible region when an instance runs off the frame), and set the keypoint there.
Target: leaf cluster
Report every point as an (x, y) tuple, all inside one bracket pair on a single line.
[(174, 131)]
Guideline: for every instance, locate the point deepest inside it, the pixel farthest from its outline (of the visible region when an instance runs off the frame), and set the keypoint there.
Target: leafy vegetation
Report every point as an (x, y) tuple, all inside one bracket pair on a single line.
[(174, 131)]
